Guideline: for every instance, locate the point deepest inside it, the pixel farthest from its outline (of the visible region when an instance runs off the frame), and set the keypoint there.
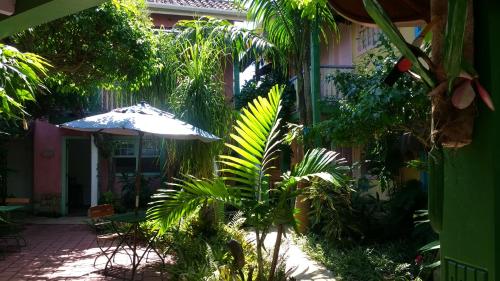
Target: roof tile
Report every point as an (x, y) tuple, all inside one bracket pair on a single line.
[(211, 4)]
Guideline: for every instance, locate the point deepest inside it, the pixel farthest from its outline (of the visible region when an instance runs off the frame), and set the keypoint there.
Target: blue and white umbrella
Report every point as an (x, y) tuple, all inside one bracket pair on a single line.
[(140, 119)]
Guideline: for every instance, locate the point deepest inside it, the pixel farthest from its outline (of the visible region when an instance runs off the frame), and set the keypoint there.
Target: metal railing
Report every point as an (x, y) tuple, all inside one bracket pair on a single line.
[(327, 86)]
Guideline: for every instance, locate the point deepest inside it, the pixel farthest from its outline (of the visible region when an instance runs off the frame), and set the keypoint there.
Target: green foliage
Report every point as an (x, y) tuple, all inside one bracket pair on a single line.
[(110, 46), (368, 109), (382, 220), (65, 102), (199, 96), (331, 212), (393, 261), (189, 82), (381, 18), (127, 195), (454, 39), (21, 77), (287, 25), (245, 180), (201, 257)]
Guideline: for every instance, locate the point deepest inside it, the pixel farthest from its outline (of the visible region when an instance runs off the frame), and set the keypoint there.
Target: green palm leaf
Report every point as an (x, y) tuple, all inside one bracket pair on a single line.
[(169, 206), (318, 163), (257, 139)]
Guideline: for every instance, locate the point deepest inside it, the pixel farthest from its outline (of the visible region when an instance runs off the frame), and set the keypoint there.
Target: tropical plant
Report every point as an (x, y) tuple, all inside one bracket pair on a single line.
[(288, 24), (331, 213), (390, 261), (20, 78), (245, 180), (199, 97), (189, 82), (111, 45), (367, 109), (207, 257)]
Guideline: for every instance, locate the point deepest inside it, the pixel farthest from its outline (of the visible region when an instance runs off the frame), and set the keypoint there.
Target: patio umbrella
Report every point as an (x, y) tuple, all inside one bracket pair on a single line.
[(139, 120)]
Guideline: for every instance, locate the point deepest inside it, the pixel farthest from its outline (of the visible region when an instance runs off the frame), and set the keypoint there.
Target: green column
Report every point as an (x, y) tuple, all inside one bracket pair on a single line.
[(470, 238), (315, 70)]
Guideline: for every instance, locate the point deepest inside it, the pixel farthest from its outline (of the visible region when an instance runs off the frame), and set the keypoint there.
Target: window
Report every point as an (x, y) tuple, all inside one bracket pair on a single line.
[(367, 38), (126, 152)]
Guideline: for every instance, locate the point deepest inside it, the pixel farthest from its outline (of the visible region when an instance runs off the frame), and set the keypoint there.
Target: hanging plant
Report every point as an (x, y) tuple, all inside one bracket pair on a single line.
[(454, 85)]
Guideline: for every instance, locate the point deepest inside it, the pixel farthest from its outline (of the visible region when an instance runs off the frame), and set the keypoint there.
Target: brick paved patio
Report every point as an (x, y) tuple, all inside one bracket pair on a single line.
[(66, 252)]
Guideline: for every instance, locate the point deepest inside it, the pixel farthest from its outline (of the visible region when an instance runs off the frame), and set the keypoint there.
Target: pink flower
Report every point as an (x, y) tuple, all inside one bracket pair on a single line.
[(419, 259)]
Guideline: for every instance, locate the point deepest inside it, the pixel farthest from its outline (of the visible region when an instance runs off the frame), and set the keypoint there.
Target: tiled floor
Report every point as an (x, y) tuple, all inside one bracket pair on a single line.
[(67, 252)]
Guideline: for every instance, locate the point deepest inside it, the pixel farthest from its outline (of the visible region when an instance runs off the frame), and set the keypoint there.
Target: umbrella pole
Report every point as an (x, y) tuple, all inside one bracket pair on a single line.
[(138, 174)]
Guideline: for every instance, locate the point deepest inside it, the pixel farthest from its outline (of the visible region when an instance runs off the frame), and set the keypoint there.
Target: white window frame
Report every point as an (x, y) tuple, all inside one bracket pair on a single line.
[(135, 142)]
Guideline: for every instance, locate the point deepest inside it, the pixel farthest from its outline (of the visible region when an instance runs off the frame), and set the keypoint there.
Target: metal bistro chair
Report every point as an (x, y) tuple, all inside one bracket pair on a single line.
[(105, 236)]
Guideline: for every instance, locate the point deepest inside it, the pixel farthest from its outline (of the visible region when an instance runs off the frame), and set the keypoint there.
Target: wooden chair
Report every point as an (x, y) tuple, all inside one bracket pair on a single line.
[(105, 236)]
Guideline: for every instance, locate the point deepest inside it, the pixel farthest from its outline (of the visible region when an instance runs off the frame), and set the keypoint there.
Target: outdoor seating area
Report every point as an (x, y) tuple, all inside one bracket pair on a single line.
[(66, 252), (249, 140), (124, 234)]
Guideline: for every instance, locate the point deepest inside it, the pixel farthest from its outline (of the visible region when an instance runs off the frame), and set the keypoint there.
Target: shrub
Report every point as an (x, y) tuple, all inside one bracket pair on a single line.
[(372, 262)]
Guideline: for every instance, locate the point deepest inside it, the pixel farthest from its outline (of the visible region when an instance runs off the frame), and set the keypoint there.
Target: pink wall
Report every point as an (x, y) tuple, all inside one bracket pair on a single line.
[(338, 49), (46, 159)]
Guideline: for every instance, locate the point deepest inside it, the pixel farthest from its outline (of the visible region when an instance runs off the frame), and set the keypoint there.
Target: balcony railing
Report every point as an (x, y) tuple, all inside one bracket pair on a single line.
[(327, 86)]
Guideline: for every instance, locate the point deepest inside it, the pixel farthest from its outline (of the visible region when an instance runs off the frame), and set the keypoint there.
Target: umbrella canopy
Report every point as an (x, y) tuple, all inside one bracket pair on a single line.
[(139, 118)]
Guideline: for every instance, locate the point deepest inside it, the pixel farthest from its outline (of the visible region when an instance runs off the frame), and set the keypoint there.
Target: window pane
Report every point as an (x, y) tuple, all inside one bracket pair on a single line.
[(150, 165), (150, 147), (125, 165), (124, 148)]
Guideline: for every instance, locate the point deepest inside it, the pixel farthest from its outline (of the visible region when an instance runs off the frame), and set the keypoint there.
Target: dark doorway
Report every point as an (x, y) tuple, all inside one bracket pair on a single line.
[(78, 157)]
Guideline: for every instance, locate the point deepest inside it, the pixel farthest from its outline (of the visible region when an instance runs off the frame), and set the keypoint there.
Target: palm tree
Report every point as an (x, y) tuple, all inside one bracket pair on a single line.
[(288, 25), (189, 82), (20, 78), (245, 182)]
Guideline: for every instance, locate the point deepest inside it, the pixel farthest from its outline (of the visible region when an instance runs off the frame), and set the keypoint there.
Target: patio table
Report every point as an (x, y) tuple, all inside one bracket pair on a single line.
[(7, 210), (10, 208), (131, 238)]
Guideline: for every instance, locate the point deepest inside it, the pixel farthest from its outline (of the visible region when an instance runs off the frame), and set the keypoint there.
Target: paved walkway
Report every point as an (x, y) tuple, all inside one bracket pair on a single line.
[(68, 251), (298, 264), (64, 252)]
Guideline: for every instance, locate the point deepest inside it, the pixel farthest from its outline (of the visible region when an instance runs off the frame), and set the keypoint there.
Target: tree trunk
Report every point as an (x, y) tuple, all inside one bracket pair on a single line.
[(276, 252), (260, 259), (438, 13), (300, 96), (307, 91), (306, 68)]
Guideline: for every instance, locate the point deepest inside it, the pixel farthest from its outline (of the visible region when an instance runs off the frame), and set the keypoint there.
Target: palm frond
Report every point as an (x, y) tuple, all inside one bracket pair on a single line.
[(256, 139), (320, 163), (169, 206)]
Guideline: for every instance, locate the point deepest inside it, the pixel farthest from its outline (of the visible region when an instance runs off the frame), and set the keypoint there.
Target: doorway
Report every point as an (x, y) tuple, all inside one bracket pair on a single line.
[(78, 175)]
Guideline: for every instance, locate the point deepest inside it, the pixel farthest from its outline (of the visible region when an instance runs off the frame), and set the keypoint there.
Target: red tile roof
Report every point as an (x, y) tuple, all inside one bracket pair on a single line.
[(222, 5)]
